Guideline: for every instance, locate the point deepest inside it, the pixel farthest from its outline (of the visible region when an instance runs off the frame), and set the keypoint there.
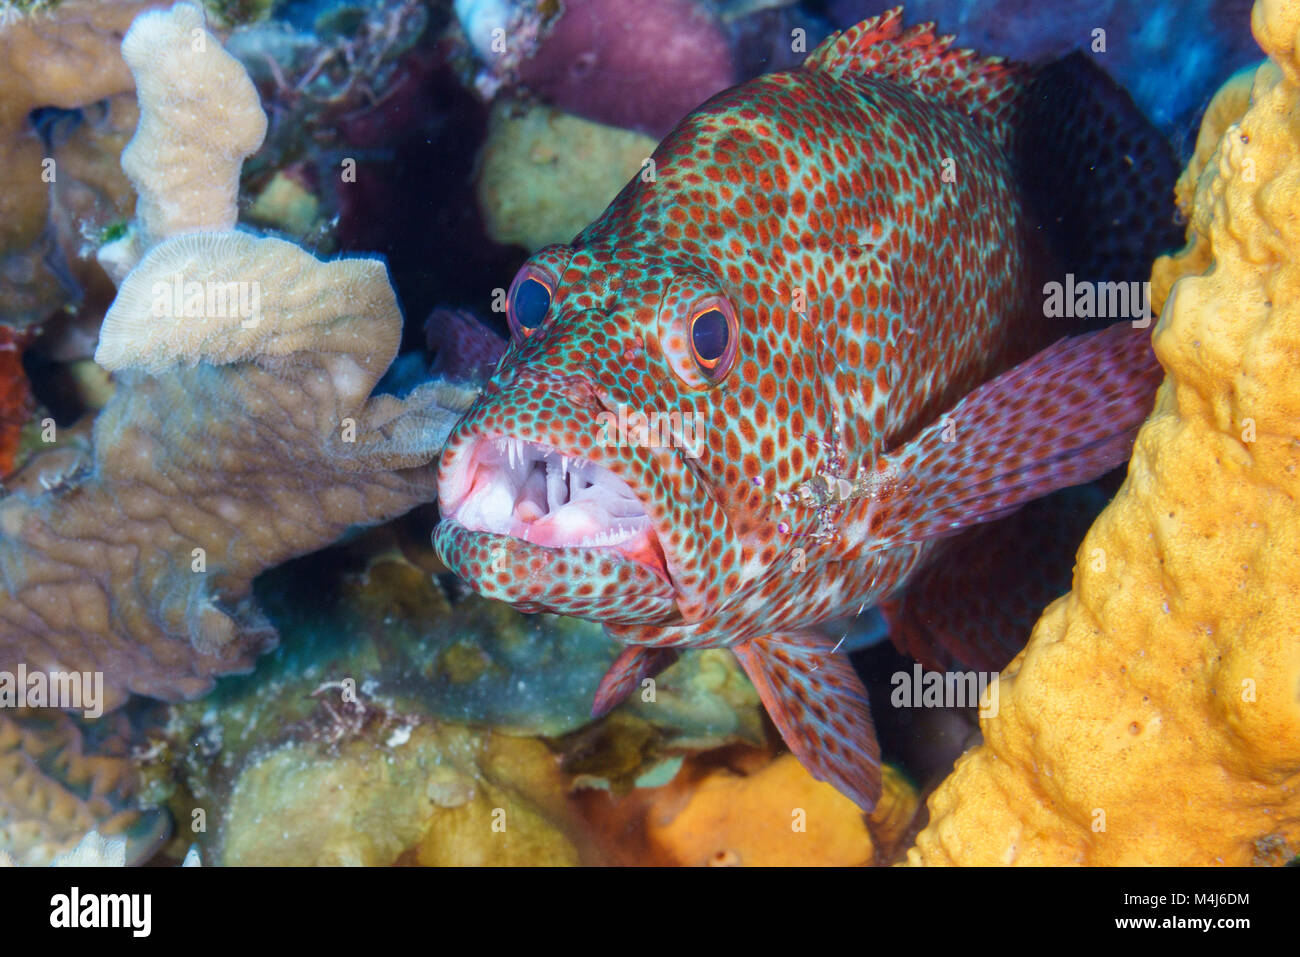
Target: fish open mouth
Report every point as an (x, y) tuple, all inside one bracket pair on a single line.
[(540, 495)]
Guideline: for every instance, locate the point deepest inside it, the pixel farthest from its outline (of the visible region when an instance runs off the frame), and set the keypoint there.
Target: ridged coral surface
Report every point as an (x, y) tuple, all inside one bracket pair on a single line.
[(1154, 717), (137, 560), (55, 792)]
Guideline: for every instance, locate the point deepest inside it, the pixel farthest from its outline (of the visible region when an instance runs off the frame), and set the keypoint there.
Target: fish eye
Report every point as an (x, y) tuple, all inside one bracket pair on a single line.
[(698, 331), (529, 302), (709, 335), (712, 333)]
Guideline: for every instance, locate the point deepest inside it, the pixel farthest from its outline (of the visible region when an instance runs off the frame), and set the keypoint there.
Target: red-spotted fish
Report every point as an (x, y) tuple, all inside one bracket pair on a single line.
[(771, 383)]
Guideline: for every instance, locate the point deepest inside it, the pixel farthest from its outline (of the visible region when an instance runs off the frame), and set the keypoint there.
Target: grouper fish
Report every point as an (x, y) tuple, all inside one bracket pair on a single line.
[(801, 355)]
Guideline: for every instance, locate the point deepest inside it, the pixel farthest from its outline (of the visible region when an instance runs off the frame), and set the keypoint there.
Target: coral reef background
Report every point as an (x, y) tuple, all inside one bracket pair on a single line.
[(182, 503)]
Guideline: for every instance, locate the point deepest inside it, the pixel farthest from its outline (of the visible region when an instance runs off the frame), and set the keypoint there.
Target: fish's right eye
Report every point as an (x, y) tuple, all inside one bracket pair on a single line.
[(529, 301)]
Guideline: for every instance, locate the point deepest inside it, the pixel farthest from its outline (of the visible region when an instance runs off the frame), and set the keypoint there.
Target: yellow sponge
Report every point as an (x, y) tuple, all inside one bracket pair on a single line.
[(1154, 717)]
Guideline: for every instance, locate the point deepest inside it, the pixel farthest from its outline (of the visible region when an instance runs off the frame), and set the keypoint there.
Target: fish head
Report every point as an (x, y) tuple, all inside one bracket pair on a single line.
[(590, 477)]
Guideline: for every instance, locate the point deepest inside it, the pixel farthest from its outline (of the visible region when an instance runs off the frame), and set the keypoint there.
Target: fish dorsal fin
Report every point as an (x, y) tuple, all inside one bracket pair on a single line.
[(985, 88)]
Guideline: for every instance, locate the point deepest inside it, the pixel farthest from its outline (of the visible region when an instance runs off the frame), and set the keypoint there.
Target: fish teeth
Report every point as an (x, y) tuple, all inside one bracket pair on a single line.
[(557, 493), (611, 536)]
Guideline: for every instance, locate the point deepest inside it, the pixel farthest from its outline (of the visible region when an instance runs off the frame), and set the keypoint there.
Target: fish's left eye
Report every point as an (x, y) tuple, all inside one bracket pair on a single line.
[(529, 301), (699, 332)]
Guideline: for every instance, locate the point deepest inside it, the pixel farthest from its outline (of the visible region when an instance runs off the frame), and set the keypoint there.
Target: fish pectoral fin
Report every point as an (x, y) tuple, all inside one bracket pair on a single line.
[(820, 707), (633, 665), (1061, 418)]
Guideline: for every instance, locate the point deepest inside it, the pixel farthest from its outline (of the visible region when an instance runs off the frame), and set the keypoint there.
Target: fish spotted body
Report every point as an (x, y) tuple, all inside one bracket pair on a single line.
[(787, 365)]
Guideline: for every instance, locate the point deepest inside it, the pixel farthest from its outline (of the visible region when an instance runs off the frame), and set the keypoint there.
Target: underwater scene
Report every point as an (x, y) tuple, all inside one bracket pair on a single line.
[(649, 432)]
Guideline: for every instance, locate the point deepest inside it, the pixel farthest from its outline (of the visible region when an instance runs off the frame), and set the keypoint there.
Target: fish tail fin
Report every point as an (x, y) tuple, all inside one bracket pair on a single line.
[(976, 603), (984, 88), (634, 664), (820, 707), (1064, 417), (1096, 176)]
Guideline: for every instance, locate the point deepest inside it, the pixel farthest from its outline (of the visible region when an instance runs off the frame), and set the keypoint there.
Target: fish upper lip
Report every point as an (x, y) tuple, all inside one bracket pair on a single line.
[(536, 493)]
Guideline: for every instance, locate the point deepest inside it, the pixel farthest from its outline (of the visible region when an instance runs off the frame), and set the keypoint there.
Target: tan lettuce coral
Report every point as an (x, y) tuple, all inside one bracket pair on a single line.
[(1154, 717), (232, 297), (66, 58), (237, 437)]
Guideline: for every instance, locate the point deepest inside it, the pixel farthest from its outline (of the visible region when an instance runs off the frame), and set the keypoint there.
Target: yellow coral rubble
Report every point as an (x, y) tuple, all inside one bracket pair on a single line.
[(440, 795), (1154, 717)]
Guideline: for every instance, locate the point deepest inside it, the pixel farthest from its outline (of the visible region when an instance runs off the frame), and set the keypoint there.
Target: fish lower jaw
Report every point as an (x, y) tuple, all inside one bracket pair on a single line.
[(539, 495)]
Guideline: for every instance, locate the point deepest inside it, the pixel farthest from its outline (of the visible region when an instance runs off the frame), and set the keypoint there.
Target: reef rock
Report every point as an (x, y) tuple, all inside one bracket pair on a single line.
[(55, 793), (375, 656), (1168, 54), (544, 175), (444, 795)]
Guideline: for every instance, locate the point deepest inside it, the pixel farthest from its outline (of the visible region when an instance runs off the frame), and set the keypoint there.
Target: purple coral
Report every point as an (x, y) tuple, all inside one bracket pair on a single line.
[(638, 64)]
